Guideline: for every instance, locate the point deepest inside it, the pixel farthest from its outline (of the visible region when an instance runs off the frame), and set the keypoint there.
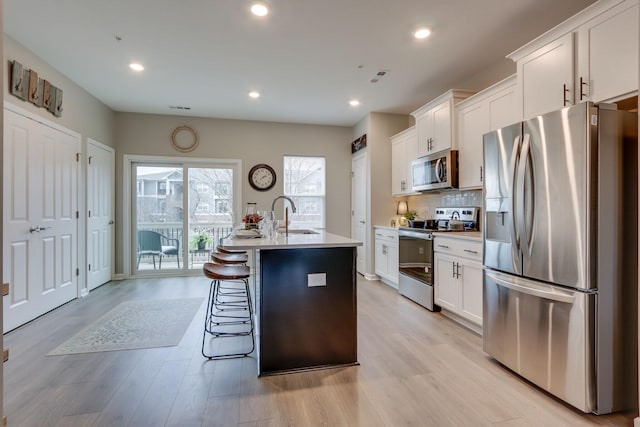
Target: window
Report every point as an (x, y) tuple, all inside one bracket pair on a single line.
[(304, 182), (202, 208), (202, 188), (181, 199)]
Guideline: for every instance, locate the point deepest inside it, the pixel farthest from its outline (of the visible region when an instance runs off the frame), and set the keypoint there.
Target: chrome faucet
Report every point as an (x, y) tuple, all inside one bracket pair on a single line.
[(293, 205)]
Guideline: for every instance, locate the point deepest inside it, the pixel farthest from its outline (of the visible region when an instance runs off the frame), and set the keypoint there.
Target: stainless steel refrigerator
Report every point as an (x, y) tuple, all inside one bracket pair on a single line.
[(560, 254)]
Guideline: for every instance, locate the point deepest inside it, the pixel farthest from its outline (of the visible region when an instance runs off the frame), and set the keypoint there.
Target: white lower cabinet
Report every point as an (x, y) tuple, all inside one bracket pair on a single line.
[(458, 277), (386, 256)]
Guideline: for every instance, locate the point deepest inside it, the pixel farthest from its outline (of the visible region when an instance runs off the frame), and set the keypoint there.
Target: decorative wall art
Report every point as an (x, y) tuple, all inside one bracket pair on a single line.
[(33, 87), (28, 86), (17, 85), (184, 138), (359, 143)]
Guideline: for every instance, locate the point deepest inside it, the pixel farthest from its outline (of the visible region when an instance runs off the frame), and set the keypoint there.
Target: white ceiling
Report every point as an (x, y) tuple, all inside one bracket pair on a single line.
[(307, 58)]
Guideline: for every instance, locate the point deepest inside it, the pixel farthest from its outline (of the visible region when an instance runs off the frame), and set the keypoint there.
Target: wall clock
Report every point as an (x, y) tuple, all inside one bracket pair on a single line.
[(262, 177)]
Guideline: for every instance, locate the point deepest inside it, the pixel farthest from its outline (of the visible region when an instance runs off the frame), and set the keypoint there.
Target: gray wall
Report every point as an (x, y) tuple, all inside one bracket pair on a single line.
[(81, 111), (252, 143)]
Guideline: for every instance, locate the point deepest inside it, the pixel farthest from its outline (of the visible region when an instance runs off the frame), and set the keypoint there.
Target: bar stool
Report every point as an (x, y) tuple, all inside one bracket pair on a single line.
[(218, 322), (229, 290), (230, 251), (233, 258)]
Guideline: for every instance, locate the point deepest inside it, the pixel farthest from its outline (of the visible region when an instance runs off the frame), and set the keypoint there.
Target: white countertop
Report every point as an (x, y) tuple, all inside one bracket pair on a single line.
[(386, 227), (465, 235), (320, 240)]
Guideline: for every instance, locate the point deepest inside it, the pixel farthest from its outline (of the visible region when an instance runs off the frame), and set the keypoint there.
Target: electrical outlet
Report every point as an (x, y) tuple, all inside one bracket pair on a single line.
[(316, 279), (421, 250)]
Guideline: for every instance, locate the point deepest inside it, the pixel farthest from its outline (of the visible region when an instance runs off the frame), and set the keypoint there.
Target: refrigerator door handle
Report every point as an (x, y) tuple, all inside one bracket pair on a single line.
[(537, 291), (521, 222), (515, 190)]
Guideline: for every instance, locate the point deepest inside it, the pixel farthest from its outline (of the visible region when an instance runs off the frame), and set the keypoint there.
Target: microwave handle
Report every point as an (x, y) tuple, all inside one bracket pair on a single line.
[(439, 171)]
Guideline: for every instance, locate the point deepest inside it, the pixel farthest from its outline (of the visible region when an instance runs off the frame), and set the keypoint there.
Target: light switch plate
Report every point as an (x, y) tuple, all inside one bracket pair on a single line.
[(316, 279)]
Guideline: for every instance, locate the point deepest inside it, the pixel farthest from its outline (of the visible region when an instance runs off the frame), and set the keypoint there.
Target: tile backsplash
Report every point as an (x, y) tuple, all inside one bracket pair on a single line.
[(425, 204)]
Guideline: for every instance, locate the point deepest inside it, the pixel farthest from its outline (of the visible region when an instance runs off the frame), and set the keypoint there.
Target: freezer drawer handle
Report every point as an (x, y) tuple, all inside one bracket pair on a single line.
[(554, 296)]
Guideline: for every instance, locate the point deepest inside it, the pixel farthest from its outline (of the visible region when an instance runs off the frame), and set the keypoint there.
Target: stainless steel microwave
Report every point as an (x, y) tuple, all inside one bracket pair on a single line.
[(435, 171)]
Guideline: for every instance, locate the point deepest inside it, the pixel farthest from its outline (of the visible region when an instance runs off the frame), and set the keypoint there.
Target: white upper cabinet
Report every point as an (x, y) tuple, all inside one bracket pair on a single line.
[(434, 124), (608, 54), (491, 109), (546, 77), (404, 149), (591, 56)]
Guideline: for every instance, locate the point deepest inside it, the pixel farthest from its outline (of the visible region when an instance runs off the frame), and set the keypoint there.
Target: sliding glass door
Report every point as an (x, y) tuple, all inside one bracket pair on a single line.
[(180, 212)]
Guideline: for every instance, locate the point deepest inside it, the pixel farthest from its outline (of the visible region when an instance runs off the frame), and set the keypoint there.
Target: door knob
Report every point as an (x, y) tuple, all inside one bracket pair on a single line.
[(111, 222)]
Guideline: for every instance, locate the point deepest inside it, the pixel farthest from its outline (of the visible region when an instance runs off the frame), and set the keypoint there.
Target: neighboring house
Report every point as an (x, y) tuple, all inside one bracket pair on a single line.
[(160, 196)]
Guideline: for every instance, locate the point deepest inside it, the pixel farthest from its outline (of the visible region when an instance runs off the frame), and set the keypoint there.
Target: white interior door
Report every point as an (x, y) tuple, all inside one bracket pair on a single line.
[(40, 218), (359, 208), (100, 213)]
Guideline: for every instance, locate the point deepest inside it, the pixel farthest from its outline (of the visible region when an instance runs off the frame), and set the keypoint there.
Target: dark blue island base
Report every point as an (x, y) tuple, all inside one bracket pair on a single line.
[(306, 322)]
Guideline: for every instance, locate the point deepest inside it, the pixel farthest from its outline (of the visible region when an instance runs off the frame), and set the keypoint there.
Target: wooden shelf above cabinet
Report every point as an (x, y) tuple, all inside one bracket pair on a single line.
[(5, 354), (5, 289), (4, 422)]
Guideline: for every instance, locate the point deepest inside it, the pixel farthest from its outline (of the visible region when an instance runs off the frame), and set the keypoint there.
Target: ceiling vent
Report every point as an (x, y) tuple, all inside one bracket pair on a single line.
[(179, 107), (380, 74)]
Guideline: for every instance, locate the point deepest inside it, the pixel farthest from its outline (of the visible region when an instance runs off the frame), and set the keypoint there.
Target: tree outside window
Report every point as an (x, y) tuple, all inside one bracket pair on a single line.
[(304, 182)]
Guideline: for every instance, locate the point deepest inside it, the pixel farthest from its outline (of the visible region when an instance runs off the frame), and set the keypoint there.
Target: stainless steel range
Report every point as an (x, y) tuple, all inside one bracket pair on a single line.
[(416, 251)]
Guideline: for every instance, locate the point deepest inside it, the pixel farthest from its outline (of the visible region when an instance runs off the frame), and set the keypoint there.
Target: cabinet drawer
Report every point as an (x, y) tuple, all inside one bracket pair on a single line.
[(386, 235), (458, 247)]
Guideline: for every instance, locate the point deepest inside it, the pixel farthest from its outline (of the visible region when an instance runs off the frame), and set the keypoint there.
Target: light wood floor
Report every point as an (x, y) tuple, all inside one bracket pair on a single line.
[(416, 368)]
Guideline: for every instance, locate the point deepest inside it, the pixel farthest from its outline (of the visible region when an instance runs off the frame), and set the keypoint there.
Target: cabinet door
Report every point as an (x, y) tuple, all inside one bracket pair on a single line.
[(447, 285), (471, 292), (411, 151), (608, 54), (546, 77), (473, 122), (380, 258), (441, 134), (398, 167), (503, 109), (424, 129)]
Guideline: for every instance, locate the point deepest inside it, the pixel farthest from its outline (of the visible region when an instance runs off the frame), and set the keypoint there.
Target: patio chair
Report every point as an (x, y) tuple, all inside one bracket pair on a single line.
[(154, 244)]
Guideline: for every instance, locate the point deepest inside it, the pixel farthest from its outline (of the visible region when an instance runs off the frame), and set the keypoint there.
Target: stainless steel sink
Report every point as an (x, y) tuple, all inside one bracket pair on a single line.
[(298, 231)]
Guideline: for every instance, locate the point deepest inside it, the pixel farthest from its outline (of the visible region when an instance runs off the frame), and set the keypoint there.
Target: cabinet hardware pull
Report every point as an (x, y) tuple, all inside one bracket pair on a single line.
[(453, 270), (480, 173), (443, 246), (582, 84), (470, 251), (457, 270), (564, 95)]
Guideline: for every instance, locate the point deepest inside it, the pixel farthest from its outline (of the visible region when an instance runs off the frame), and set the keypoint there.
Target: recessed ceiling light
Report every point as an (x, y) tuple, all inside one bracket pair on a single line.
[(259, 8), (136, 66), (422, 33), (253, 94), (354, 102)]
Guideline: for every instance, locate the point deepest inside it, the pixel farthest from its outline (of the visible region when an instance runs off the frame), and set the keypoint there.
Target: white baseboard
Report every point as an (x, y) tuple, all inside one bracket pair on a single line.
[(636, 422), (369, 276), (389, 283), (118, 277)]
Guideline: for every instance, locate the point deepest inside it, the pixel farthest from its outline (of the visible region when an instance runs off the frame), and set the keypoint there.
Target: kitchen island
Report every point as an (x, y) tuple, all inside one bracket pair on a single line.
[(305, 300)]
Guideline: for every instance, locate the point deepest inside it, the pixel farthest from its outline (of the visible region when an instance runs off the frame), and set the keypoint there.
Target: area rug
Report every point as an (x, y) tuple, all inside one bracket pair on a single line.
[(133, 325)]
